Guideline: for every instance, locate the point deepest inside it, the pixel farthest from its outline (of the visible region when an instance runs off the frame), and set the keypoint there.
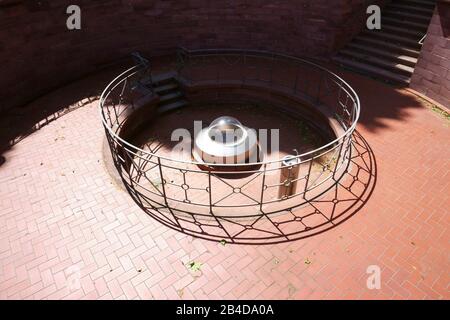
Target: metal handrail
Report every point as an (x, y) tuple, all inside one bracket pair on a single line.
[(422, 39), (157, 182), (248, 53)]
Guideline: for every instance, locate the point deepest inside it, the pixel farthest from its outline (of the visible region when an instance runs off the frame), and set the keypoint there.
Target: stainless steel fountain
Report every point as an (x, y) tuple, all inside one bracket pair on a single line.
[(226, 141)]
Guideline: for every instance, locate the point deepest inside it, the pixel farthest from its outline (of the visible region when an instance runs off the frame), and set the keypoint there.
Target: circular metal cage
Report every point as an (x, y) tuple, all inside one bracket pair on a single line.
[(206, 200)]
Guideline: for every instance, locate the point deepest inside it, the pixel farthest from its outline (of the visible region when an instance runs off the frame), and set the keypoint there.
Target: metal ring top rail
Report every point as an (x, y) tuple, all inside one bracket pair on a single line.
[(191, 192), (247, 53)]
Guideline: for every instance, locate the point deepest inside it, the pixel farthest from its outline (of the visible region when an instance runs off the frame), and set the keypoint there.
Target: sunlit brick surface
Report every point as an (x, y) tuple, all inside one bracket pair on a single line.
[(62, 216), (432, 73)]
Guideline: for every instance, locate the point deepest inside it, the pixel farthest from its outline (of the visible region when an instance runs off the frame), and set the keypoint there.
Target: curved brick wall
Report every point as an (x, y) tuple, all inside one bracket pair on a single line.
[(432, 73), (38, 53)]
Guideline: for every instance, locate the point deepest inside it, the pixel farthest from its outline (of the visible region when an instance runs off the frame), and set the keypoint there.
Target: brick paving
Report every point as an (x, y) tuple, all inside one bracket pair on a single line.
[(68, 232)]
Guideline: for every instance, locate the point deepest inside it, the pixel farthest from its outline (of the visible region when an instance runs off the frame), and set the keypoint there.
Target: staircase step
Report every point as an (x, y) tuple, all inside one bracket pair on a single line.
[(371, 70), (414, 35), (166, 87), (172, 106), (404, 23), (387, 64), (407, 16), (391, 53), (426, 4), (391, 38), (388, 55), (410, 8), (141, 89), (162, 78), (388, 46), (170, 96)]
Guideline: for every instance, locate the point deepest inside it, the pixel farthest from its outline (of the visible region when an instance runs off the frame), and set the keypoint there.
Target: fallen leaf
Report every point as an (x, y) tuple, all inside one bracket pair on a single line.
[(223, 242), (194, 266), (307, 261)]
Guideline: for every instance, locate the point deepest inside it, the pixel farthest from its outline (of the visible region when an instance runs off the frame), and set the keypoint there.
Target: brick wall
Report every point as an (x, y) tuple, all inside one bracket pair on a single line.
[(432, 73), (354, 19), (38, 53)]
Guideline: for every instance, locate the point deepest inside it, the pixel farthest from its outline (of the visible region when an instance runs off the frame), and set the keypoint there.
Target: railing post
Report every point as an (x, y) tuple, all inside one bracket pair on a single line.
[(125, 155), (263, 184), (347, 147), (162, 182), (307, 177), (339, 157), (210, 193)]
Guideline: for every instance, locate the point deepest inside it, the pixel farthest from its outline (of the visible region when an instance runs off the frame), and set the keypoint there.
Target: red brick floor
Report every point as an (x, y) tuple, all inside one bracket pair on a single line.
[(67, 232)]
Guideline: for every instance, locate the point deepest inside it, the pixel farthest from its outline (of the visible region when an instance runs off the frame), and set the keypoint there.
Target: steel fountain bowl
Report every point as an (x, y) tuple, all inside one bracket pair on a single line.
[(226, 141)]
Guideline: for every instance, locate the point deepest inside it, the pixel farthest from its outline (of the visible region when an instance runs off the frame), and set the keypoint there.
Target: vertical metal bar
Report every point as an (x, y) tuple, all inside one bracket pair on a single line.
[(347, 147), (344, 107), (352, 113), (162, 182), (184, 181), (210, 192), (263, 188), (108, 112), (211, 210), (165, 196), (339, 157), (123, 90), (307, 177), (128, 162), (111, 146), (339, 103)]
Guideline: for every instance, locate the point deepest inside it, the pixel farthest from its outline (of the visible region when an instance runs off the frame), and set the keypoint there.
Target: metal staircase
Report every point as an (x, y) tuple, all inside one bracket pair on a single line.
[(390, 54)]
